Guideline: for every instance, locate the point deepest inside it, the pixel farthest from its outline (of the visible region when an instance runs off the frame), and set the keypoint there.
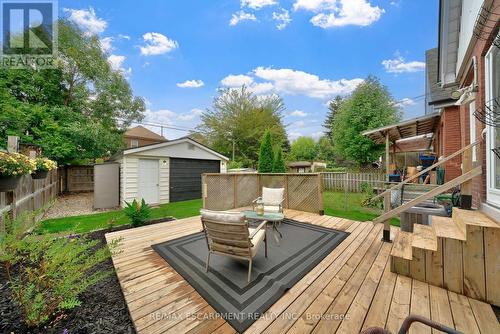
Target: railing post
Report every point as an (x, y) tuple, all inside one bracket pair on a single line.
[(466, 189), (386, 236)]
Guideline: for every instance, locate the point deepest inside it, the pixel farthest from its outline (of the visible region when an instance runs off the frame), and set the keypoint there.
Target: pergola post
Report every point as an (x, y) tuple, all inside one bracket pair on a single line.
[(386, 237)]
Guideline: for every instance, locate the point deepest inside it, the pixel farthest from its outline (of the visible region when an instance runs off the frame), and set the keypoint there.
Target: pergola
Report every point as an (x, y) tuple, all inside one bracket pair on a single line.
[(418, 129)]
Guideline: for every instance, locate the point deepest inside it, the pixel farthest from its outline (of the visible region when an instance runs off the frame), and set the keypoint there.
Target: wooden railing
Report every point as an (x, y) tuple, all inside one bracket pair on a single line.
[(468, 173)]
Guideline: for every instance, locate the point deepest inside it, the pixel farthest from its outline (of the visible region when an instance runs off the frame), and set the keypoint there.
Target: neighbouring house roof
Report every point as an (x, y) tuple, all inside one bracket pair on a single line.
[(436, 93), (143, 133), (154, 149), (298, 164), (410, 128)]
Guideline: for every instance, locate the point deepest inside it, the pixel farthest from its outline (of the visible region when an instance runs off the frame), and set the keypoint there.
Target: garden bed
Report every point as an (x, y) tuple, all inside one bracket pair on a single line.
[(103, 308)]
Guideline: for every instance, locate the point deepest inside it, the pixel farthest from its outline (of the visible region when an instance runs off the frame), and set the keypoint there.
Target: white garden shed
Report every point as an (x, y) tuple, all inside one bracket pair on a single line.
[(167, 172)]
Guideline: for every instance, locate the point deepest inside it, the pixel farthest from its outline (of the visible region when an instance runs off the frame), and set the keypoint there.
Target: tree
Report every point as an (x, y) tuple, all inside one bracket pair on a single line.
[(304, 148), (77, 110), (239, 117), (279, 163), (370, 106), (333, 107), (266, 155), (326, 151)]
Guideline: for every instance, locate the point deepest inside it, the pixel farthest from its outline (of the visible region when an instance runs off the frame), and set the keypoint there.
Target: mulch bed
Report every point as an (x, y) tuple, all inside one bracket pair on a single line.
[(103, 308)]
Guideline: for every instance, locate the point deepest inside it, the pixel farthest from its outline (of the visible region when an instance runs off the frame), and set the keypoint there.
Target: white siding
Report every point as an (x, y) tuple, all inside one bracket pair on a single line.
[(470, 11), (184, 150), (164, 180)]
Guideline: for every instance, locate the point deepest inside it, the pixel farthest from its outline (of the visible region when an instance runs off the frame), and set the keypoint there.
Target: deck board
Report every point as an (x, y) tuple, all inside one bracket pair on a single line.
[(353, 281)]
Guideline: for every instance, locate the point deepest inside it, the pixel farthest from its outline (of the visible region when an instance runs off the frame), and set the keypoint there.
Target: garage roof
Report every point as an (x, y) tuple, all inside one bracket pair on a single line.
[(413, 127), (172, 143)]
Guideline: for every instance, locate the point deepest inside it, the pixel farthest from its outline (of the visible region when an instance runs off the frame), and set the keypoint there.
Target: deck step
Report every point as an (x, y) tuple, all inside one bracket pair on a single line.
[(445, 227), (473, 217), (402, 247), (424, 237)]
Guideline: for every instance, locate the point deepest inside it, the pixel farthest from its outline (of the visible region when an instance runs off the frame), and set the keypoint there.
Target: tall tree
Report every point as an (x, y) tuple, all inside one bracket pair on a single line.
[(370, 106), (304, 148), (238, 118), (71, 111), (266, 155), (279, 163), (333, 107), (326, 151)]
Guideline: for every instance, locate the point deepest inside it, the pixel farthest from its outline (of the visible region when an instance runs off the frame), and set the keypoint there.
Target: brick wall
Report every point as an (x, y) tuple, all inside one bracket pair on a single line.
[(450, 141)]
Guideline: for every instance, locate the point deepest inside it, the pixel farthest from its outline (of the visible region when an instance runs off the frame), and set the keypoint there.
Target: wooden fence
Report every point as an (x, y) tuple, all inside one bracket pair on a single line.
[(76, 179), (30, 195), (303, 192), (352, 182)]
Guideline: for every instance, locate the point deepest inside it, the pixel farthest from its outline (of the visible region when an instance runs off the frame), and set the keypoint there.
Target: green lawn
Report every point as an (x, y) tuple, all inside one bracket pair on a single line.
[(86, 223), (339, 205), (335, 205)]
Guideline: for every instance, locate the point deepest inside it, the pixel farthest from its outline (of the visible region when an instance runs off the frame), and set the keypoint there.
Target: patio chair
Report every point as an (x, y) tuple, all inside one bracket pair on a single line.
[(229, 234), (272, 198)]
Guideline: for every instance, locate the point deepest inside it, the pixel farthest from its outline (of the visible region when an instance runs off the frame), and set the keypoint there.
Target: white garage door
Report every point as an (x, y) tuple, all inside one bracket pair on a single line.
[(149, 180)]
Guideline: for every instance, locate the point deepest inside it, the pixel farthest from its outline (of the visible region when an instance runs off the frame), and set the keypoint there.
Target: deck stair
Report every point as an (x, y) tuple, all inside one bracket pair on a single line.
[(460, 254)]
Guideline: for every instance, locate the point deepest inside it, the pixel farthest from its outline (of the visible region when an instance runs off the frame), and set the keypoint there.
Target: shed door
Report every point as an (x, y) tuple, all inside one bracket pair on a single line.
[(149, 180), (185, 177)]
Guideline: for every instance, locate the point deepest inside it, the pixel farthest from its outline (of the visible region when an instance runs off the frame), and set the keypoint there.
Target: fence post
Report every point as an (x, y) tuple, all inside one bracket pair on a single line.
[(285, 181), (235, 191), (386, 236), (466, 189), (320, 195), (204, 189)]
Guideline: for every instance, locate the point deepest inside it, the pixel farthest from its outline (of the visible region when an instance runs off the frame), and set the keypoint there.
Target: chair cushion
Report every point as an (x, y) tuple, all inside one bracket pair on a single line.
[(272, 208), (223, 216), (257, 241), (272, 196)]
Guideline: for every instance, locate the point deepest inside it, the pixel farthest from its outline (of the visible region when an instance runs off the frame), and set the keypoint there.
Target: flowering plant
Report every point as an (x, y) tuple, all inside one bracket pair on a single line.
[(45, 165), (15, 164)]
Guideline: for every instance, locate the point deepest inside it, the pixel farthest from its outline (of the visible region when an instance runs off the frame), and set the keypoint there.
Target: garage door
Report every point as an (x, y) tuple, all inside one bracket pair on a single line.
[(185, 177)]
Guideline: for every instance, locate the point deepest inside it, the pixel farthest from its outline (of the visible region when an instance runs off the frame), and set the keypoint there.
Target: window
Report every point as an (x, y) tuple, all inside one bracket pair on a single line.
[(134, 143)]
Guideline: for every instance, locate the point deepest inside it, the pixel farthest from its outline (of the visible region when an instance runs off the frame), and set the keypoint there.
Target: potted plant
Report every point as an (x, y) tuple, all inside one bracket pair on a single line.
[(12, 167), (43, 167)]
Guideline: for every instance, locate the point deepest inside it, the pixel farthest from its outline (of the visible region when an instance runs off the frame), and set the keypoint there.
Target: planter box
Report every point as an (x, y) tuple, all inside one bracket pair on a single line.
[(39, 174), (9, 183)]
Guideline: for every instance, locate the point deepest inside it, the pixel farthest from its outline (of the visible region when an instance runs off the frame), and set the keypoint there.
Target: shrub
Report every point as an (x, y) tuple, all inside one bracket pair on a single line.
[(278, 163), (138, 213), (266, 155), (45, 165), (47, 274), (368, 193), (15, 164)]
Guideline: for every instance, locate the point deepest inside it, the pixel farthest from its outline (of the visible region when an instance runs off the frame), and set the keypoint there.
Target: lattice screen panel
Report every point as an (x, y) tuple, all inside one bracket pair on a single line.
[(304, 192), (272, 181), (220, 192), (247, 189)]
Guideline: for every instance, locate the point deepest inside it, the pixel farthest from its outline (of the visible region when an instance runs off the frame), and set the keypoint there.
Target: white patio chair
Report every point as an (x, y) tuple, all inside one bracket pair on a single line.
[(272, 198), (228, 234)]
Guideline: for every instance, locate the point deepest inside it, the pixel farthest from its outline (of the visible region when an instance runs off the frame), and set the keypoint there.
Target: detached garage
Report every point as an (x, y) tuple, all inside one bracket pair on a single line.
[(167, 172)]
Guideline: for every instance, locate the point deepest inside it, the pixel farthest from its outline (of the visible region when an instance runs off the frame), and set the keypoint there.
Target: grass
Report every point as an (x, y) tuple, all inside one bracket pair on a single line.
[(336, 204), (87, 223), (349, 206)]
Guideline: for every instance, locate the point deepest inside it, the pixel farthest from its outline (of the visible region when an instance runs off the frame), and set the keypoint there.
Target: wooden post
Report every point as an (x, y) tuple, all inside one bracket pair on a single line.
[(387, 156), (235, 191), (320, 194), (466, 189), (204, 189), (285, 181), (386, 236)]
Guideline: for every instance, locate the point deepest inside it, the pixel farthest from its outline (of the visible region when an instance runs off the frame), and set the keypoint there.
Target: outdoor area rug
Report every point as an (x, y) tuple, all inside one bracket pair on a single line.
[(225, 286)]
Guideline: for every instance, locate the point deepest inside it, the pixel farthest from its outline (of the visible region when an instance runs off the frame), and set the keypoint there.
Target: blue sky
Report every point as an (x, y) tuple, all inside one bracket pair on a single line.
[(176, 54)]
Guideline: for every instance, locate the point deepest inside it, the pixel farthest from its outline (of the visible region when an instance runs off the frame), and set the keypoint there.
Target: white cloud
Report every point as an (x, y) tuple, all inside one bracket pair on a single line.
[(339, 13), (233, 81), (87, 20), (116, 63), (282, 19), (298, 113), (197, 111), (294, 135), (127, 37), (162, 116), (257, 4), (106, 44), (157, 44), (404, 102), (290, 81), (298, 124), (302, 83), (191, 115), (399, 65), (191, 84), (241, 16)]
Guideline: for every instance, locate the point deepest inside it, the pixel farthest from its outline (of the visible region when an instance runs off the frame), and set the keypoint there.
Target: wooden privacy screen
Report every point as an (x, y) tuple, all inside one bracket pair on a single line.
[(303, 192)]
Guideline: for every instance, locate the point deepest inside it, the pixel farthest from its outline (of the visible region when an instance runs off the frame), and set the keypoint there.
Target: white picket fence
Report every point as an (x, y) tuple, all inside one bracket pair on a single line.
[(352, 181)]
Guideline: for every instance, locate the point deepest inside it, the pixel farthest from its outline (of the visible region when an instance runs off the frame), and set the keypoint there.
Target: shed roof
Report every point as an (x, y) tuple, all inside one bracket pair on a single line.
[(410, 128), (299, 164)]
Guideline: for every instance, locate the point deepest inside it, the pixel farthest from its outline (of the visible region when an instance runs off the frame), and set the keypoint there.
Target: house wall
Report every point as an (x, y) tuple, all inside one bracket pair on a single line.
[(479, 49), (449, 140)]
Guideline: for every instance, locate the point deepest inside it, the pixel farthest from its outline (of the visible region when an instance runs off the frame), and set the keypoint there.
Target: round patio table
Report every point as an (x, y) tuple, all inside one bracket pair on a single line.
[(272, 217)]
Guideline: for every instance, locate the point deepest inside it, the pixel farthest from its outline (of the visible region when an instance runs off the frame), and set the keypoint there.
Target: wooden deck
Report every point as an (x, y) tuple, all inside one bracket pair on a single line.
[(350, 290)]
